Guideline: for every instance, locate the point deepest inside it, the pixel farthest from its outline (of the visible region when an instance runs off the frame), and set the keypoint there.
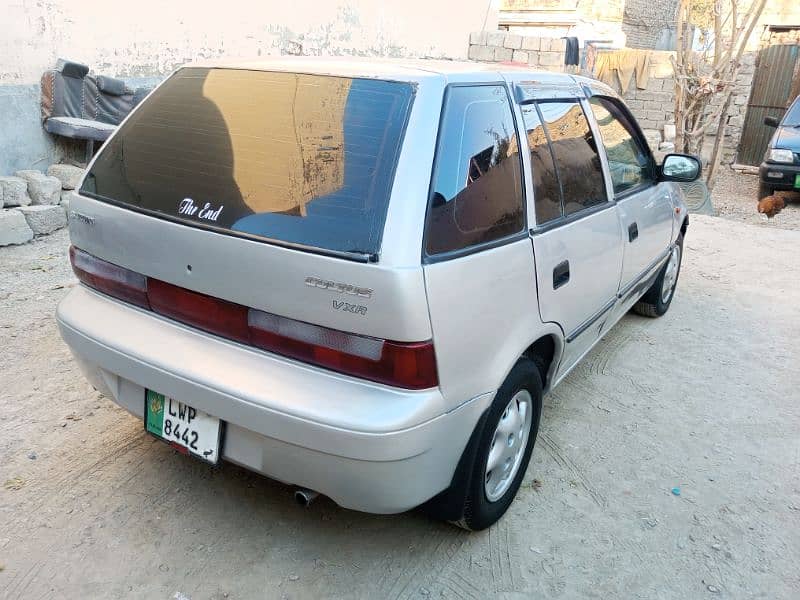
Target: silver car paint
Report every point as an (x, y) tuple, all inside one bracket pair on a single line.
[(362, 444), (652, 212)]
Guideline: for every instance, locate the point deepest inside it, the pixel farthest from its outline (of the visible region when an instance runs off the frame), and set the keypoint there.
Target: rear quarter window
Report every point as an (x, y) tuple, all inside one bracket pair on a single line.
[(288, 157), (476, 191)]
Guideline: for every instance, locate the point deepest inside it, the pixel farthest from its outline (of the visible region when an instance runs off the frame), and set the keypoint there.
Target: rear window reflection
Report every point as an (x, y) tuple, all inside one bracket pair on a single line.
[(305, 159)]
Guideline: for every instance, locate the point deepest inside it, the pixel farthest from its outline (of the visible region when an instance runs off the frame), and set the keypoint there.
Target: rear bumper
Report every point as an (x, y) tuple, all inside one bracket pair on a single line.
[(368, 447), (783, 176)]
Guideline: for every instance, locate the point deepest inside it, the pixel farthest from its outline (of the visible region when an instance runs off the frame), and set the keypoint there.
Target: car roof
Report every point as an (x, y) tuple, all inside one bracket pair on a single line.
[(384, 68)]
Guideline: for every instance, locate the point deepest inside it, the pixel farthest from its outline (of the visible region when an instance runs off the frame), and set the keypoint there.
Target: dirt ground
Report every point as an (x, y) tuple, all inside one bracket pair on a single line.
[(735, 197), (705, 400)]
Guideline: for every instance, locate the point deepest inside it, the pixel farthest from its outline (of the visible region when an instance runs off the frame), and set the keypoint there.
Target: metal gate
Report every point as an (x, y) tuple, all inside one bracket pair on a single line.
[(773, 82)]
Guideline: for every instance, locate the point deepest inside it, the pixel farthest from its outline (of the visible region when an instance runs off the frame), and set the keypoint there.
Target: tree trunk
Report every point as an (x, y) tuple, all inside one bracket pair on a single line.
[(716, 154)]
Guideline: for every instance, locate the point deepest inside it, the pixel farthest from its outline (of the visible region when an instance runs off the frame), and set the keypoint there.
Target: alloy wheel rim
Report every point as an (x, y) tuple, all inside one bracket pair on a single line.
[(671, 274), (508, 445)]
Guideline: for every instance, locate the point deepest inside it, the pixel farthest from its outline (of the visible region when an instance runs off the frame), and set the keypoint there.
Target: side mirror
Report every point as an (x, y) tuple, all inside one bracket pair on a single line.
[(771, 121), (681, 167)]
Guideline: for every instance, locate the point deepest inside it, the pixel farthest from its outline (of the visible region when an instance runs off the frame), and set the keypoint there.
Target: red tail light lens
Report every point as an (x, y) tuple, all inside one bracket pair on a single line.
[(407, 365), (204, 312), (109, 278), (410, 365)]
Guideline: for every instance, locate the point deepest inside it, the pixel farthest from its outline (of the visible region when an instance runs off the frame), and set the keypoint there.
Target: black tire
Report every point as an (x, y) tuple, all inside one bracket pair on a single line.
[(477, 511), (764, 190), (653, 304)]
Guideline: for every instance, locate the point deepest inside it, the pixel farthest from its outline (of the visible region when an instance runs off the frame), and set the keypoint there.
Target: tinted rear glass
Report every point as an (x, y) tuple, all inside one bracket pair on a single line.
[(303, 159)]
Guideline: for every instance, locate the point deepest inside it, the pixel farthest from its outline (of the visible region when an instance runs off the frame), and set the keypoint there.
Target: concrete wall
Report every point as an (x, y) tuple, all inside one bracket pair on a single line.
[(149, 38)]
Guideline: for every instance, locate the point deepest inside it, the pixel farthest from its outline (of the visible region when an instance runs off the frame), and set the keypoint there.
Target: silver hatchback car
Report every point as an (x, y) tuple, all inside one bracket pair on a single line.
[(360, 278)]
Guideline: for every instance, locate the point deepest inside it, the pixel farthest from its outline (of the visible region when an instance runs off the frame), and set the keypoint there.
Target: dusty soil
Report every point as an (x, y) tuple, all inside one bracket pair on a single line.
[(705, 399), (735, 196)]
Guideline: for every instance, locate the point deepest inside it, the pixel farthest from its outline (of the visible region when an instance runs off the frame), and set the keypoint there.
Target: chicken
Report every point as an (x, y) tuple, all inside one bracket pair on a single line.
[(771, 206)]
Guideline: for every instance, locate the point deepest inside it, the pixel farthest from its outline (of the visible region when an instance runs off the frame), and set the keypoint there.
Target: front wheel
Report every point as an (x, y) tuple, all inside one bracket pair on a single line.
[(504, 448), (657, 299)]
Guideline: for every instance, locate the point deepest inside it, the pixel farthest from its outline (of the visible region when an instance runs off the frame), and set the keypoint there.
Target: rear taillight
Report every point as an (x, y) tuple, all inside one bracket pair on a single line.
[(110, 279), (410, 365), (204, 312)]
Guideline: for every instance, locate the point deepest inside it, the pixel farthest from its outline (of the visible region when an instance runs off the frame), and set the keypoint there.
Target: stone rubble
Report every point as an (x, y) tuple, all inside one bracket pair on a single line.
[(13, 192), (32, 203), (41, 188), (44, 219), (68, 175), (65, 197), (14, 229)]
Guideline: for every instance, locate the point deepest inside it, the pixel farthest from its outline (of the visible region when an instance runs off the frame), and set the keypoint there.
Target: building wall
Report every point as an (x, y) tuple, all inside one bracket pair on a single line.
[(630, 23), (644, 21), (150, 38)]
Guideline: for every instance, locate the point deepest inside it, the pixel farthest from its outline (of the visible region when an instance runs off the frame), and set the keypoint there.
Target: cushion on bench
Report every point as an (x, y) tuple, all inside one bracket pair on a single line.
[(112, 86), (75, 127), (62, 90), (103, 106)]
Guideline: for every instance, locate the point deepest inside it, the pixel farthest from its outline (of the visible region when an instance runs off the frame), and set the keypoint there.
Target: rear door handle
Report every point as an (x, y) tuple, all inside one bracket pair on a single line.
[(560, 274), (633, 232)]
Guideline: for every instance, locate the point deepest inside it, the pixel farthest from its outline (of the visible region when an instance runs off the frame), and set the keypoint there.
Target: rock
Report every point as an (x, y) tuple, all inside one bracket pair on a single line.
[(14, 229), (32, 455), (669, 132), (653, 137), (68, 175), (65, 197), (41, 188), (14, 192), (666, 147), (44, 219)]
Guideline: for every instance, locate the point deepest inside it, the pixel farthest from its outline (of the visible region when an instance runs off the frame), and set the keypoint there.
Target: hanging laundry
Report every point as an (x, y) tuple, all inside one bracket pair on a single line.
[(618, 67), (572, 53)]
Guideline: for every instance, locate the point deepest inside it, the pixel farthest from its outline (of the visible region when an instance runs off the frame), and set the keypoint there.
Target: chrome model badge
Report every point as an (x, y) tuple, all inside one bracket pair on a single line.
[(85, 219), (341, 288)]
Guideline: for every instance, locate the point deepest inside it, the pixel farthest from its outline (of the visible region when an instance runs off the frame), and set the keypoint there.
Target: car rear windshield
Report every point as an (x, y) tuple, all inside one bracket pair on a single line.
[(299, 159)]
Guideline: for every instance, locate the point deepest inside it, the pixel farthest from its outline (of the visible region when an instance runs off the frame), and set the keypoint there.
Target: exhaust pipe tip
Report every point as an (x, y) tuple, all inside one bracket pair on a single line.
[(305, 497)]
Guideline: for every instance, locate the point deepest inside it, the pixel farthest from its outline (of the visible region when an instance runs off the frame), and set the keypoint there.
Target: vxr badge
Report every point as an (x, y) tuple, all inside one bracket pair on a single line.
[(347, 307)]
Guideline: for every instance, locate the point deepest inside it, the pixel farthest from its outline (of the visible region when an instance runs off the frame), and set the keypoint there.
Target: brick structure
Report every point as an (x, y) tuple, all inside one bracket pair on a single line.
[(645, 21), (652, 107)]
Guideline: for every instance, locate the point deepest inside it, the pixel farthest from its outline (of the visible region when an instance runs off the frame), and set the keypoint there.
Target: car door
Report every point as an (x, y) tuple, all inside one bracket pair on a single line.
[(644, 205), (479, 275), (577, 241)]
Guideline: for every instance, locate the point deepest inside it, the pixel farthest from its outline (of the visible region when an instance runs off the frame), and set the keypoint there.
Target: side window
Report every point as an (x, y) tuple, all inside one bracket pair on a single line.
[(576, 156), (628, 159), (547, 191), (476, 193)]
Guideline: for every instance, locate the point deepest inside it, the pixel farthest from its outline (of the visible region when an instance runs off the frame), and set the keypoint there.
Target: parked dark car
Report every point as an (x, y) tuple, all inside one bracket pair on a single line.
[(781, 167)]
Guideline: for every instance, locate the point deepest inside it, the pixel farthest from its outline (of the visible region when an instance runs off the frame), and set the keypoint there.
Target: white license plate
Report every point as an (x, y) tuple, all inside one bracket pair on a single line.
[(187, 429)]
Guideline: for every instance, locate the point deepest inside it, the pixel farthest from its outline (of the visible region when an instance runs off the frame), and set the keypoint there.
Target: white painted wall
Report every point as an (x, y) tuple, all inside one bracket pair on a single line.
[(152, 37)]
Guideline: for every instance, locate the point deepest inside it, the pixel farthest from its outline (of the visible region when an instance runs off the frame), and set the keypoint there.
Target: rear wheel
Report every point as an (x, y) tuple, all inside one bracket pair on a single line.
[(503, 448), (764, 190), (657, 299)]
